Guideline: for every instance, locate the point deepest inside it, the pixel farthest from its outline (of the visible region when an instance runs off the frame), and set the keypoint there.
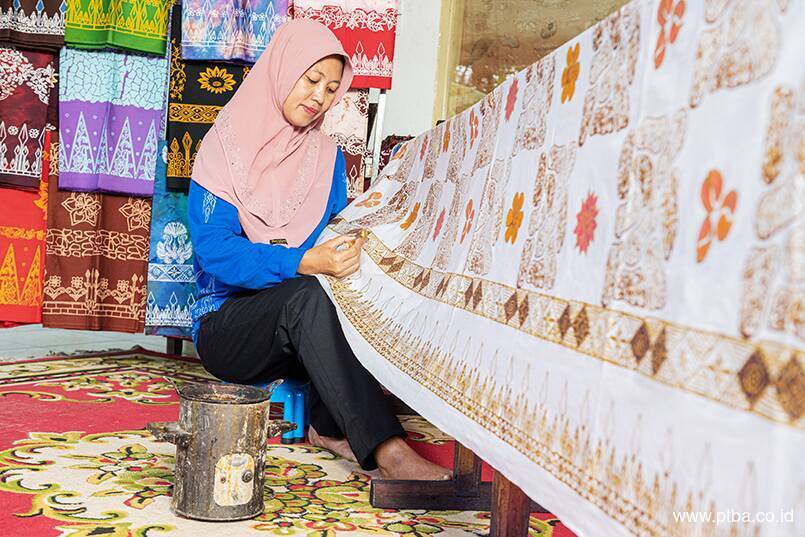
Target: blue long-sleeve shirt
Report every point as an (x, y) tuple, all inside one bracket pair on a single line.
[(227, 262)]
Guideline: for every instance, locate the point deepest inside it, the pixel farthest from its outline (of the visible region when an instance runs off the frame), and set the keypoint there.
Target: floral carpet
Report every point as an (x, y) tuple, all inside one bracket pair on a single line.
[(75, 461)]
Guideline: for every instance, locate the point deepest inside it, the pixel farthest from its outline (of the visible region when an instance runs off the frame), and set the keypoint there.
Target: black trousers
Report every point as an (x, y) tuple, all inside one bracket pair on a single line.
[(292, 330)]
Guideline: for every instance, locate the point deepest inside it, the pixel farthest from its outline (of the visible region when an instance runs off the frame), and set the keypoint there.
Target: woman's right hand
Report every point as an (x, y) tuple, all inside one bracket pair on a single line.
[(326, 258)]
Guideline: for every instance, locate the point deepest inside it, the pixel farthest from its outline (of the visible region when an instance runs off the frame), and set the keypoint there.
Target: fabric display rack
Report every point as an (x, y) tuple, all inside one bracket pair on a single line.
[(103, 106)]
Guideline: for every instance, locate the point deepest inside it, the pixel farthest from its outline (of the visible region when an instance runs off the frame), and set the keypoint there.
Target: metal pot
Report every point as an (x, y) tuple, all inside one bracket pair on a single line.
[(220, 443)]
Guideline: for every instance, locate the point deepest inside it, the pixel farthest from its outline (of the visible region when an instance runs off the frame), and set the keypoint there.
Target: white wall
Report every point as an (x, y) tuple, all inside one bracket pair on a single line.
[(409, 105)]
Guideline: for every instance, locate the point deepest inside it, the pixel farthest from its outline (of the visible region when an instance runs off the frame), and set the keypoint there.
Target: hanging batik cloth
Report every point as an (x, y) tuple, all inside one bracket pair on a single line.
[(594, 278), (33, 23), (97, 256), (366, 29), (22, 250), (136, 25), (26, 78), (109, 108), (198, 91), (171, 282), (229, 29), (346, 123)]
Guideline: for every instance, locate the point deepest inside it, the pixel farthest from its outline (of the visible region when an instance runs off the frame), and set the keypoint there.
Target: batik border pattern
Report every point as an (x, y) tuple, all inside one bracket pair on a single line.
[(32, 25), (595, 469), (649, 346)]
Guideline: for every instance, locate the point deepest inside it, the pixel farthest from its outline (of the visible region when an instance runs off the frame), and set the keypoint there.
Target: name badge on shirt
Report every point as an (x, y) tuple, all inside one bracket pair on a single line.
[(278, 241)]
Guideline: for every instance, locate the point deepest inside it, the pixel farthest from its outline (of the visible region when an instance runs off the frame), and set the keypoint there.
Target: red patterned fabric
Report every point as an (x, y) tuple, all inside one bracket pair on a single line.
[(26, 79), (22, 251), (366, 29)]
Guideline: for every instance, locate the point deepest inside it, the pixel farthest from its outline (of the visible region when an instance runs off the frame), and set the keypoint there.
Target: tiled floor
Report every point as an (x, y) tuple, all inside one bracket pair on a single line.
[(34, 341)]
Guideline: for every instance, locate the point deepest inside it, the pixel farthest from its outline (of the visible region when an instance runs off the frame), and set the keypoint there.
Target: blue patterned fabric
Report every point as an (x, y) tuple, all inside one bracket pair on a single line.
[(229, 29), (227, 262), (171, 283), (111, 77)]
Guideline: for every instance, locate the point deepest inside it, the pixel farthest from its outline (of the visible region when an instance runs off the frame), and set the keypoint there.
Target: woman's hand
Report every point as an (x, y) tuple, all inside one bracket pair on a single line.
[(326, 258)]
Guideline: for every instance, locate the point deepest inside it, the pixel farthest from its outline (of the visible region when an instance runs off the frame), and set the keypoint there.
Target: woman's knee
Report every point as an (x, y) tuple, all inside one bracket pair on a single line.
[(309, 297), (307, 289)]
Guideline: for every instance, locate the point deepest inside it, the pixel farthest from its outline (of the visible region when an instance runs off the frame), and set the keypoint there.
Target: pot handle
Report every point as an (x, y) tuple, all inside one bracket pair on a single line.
[(278, 427), (169, 431)]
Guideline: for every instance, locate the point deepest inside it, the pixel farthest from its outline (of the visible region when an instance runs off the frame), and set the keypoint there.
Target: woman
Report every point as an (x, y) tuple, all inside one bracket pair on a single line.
[(265, 183)]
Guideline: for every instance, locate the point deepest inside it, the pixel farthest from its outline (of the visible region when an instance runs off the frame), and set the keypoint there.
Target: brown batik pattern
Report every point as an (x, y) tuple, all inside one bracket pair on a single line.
[(490, 217), (96, 262), (458, 147), (444, 251), (548, 223), (739, 44), (616, 44), (407, 157), (402, 200), (537, 99), (412, 245), (490, 112), (774, 271), (434, 150), (646, 216)]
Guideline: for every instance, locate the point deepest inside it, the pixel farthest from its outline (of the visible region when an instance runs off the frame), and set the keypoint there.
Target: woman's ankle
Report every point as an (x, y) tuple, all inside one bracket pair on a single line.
[(392, 452)]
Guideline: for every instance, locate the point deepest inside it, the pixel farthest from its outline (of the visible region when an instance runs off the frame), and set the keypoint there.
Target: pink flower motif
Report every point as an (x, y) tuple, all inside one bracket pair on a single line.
[(439, 223), (424, 148), (585, 223), (511, 98)]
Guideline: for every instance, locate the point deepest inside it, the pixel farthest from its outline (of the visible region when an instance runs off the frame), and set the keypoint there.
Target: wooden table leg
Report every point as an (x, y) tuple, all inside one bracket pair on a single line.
[(510, 509), (465, 492), (174, 346), (466, 471)]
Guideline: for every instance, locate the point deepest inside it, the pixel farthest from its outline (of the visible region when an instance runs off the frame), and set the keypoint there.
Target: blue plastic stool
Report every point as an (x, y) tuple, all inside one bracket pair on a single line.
[(291, 393)]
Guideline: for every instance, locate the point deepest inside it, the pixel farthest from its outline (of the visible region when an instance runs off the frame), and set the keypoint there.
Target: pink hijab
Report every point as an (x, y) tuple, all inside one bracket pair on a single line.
[(277, 175)]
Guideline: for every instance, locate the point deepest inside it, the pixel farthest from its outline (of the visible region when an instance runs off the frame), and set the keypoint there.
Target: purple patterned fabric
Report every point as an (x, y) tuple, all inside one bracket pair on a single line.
[(110, 108)]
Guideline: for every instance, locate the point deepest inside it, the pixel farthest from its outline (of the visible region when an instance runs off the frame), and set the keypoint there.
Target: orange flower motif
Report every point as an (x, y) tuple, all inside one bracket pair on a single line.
[(373, 200), (511, 98), (439, 223), (411, 217), (469, 214), (424, 147), (514, 218), (570, 73), (446, 138), (585, 223), (473, 127), (669, 16), (722, 208)]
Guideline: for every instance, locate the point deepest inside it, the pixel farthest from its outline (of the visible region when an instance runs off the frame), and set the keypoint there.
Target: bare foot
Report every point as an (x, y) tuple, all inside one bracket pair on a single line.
[(339, 446), (397, 460)]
